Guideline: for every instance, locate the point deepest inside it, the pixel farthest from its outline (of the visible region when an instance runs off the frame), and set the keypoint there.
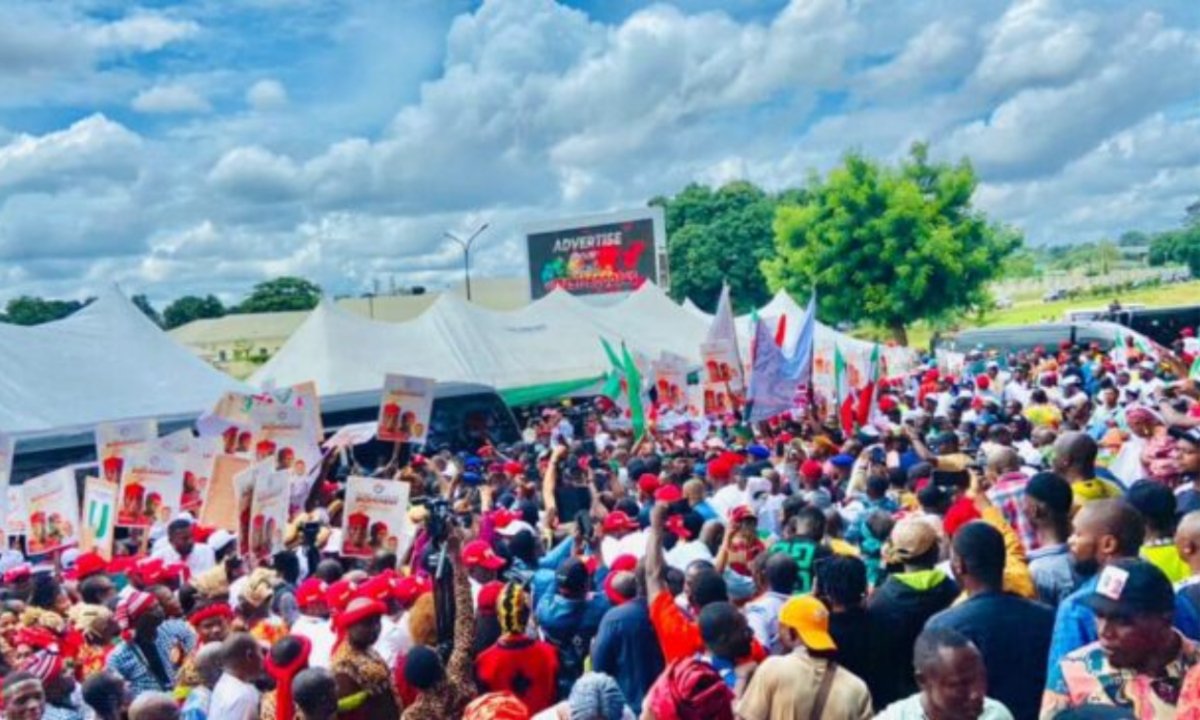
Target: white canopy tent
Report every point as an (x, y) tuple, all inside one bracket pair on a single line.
[(105, 362)]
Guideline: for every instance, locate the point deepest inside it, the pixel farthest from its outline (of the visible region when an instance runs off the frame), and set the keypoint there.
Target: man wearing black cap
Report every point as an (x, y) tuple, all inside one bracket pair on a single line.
[(570, 617), (1140, 659), (1047, 506), (1188, 494)]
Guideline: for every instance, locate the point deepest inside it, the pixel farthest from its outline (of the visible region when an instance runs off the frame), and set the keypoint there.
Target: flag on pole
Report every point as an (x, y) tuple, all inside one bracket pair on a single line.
[(633, 386), (781, 331), (771, 390), (844, 394), (724, 330), (800, 361), (868, 399), (612, 383)]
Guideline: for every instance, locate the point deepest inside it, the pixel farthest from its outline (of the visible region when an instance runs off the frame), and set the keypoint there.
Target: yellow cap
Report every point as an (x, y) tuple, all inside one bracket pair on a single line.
[(810, 619)]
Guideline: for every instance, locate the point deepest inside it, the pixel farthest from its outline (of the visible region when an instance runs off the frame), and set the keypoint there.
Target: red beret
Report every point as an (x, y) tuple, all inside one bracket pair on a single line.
[(960, 513), (648, 483)]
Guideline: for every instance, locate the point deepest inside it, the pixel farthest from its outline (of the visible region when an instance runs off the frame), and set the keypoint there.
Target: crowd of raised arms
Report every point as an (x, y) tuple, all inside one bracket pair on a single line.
[(1020, 540)]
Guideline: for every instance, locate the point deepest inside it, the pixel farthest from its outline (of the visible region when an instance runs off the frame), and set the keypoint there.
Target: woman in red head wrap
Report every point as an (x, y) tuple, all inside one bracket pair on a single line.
[(286, 659)]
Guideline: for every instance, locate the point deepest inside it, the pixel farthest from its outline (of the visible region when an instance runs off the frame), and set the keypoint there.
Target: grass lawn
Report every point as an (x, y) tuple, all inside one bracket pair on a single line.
[(1025, 312)]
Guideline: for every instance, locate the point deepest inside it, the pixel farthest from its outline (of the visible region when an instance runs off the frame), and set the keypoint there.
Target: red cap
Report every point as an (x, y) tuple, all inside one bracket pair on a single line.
[(311, 591), (983, 382), (668, 494), (378, 587), (486, 451), (648, 483), (201, 533), (478, 553), (618, 521), (887, 403), (512, 467), (147, 571), (87, 565), (622, 563), (112, 464), (418, 461), (675, 525), (811, 469), (265, 447), (337, 595), (961, 512), (740, 513), (408, 589), (489, 595)]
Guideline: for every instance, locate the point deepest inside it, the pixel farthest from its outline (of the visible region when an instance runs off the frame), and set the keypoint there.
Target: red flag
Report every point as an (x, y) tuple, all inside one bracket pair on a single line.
[(781, 331)]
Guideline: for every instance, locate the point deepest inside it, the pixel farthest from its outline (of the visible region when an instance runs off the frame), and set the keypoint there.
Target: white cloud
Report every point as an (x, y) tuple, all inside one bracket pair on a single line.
[(253, 174), (266, 95), (92, 148), (166, 99), (141, 32)]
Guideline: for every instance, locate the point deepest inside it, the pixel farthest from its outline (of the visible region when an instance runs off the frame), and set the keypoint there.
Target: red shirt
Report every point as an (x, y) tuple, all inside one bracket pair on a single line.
[(525, 667)]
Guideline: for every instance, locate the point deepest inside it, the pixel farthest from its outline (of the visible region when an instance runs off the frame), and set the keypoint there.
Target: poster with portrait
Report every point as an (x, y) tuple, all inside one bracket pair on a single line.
[(117, 441), (243, 500), (220, 506), (195, 456), (268, 512), (151, 488), (669, 375), (376, 517), (721, 366), (98, 523), (17, 524), (53, 511), (405, 408)]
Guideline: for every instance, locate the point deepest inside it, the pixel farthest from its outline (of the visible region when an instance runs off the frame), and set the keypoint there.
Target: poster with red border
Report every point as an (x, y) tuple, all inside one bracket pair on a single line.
[(268, 513), (151, 488)]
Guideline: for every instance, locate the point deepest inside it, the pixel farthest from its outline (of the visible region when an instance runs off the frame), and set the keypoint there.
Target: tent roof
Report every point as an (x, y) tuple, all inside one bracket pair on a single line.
[(104, 362)]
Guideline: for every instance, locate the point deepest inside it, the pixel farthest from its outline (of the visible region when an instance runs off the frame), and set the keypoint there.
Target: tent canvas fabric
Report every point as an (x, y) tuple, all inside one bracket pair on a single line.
[(553, 342), (106, 362)]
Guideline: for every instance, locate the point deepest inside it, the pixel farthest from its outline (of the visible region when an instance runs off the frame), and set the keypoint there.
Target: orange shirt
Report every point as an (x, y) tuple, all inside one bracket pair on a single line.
[(679, 636)]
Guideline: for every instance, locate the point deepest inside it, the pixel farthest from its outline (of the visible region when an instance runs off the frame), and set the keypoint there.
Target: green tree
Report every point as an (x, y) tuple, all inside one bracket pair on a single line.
[(718, 236), (1021, 264), (190, 307), (889, 245), (143, 303), (282, 293), (29, 310)]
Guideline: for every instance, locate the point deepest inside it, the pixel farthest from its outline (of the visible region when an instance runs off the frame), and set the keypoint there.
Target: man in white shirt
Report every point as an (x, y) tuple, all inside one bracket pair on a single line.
[(182, 548), (235, 697)]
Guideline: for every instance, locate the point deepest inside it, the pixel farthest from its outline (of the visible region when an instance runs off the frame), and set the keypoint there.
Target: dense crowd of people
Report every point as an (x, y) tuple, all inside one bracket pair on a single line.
[(1019, 540)]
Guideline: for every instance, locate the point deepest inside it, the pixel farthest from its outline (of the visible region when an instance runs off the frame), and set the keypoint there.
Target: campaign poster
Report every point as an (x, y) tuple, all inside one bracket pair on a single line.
[(351, 436), (720, 360), (670, 381), (53, 511), (220, 506), (614, 253), (195, 456), (717, 399), (298, 458), (18, 517), (97, 524), (7, 448), (405, 408), (117, 441), (268, 512), (151, 488), (376, 517)]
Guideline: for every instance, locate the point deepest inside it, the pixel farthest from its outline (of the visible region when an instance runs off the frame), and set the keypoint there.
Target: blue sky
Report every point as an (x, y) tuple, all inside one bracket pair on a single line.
[(201, 146)]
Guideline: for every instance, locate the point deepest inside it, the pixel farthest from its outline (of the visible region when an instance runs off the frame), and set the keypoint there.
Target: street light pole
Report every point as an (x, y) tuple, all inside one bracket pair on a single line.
[(466, 249)]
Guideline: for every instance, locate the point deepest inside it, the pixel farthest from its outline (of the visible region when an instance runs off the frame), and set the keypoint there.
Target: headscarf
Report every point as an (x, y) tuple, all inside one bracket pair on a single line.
[(496, 706), (259, 587), (596, 695), (135, 604), (512, 610), (358, 610), (92, 620), (690, 689), (283, 677), (212, 583)]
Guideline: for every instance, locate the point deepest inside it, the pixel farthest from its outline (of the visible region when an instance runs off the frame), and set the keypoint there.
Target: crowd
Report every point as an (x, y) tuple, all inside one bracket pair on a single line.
[(1019, 540)]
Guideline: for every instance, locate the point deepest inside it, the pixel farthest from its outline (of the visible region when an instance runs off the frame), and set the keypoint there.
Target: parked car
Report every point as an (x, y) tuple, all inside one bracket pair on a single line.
[(1056, 294)]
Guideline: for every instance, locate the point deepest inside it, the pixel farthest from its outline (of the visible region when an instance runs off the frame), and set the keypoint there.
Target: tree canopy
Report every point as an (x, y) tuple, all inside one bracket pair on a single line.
[(717, 236), (143, 303), (888, 245), (190, 307), (29, 310), (280, 294)]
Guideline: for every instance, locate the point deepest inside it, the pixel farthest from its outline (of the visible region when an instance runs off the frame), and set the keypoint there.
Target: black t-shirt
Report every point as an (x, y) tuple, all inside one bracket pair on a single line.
[(571, 499)]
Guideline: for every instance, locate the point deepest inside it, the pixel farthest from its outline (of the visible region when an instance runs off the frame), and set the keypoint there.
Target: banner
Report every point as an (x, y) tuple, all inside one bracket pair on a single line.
[(243, 494), (7, 450), (405, 409), (722, 366), (220, 508), (670, 381), (151, 488), (195, 456), (376, 517), (268, 513), (98, 522), (602, 254), (53, 511), (117, 441)]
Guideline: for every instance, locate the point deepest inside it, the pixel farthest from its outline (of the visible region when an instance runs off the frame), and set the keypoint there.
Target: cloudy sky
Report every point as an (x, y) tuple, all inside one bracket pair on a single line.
[(201, 146)]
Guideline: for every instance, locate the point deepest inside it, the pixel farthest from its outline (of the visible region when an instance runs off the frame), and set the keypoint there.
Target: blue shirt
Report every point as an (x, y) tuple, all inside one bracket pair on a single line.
[(1075, 626), (627, 649), (1013, 634), (126, 660)]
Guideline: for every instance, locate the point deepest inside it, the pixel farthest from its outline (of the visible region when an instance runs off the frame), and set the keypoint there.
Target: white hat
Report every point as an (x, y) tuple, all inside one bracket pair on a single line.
[(220, 538), (68, 557), (756, 485)]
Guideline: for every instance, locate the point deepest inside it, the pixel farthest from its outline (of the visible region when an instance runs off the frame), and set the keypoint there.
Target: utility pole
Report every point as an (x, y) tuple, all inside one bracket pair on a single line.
[(466, 249)]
